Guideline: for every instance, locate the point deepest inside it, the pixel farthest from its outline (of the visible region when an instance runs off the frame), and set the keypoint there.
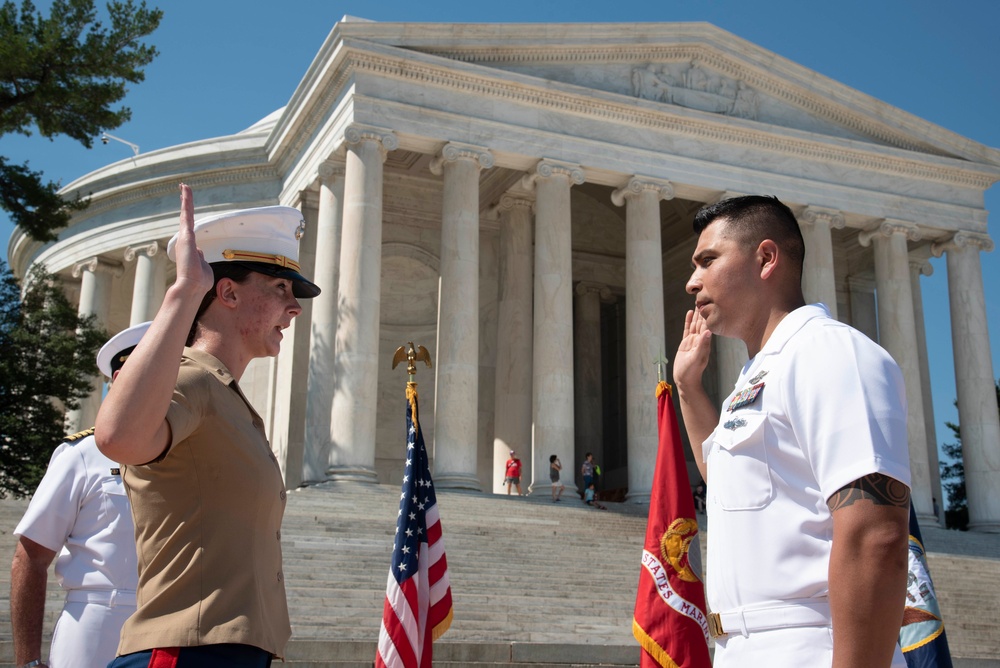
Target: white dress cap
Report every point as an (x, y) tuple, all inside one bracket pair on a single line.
[(113, 353), (266, 237)]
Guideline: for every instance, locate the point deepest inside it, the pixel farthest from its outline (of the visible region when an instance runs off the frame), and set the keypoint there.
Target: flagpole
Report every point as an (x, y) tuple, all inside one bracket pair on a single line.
[(412, 355), (670, 621), (661, 363), (418, 603)]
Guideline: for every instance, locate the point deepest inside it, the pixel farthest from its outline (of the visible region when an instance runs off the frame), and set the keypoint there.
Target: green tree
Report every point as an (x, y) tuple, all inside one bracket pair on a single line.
[(63, 75), (953, 476), (47, 362)]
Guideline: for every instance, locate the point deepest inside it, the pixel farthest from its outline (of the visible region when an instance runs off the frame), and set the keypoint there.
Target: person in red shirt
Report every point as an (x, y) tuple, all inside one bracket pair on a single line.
[(513, 474)]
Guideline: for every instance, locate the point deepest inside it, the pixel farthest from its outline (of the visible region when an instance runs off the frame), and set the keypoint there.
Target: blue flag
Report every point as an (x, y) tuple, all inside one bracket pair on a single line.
[(922, 635)]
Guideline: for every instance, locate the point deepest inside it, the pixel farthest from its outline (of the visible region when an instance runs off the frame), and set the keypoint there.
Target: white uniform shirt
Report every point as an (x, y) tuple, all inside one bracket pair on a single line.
[(831, 409), (80, 510)]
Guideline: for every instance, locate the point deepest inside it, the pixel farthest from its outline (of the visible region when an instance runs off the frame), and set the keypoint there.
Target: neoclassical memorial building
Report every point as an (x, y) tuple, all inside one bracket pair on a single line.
[(518, 199)]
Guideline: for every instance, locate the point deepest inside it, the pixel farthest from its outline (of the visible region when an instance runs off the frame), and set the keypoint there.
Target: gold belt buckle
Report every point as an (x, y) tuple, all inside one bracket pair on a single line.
[(715, 625)]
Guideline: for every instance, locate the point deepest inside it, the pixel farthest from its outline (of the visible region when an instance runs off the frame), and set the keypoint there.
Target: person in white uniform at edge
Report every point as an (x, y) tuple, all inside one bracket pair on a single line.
[(79, 512), (807, 466)]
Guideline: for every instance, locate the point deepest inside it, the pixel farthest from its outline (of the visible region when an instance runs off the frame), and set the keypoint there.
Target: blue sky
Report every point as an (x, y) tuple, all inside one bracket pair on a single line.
[(225, 65)]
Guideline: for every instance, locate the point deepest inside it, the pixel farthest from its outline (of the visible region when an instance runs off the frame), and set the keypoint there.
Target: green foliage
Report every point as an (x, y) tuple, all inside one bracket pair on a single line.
[(953, 476), (47, 364), (953, 481), (63, 75), (34, 204)]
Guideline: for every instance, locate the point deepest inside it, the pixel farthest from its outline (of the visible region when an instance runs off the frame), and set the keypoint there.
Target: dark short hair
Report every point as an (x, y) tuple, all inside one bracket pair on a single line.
[(232, 270), (753, 218), (552, 458)]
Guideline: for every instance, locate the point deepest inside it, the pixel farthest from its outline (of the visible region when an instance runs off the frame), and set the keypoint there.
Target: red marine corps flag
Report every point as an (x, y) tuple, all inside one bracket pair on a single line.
[(418, 606), (670, 620)]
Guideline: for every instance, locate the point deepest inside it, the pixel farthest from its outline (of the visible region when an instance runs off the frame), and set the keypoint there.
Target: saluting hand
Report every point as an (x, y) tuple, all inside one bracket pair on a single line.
[(191, 265), (693, 351)]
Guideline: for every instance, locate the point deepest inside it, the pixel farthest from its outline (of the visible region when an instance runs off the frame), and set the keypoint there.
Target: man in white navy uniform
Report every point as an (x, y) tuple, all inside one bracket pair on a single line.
[(807, 466), (79, 512)]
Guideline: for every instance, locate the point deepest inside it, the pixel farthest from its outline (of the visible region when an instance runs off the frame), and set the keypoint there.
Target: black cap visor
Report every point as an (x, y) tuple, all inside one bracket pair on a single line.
[(302, 287)]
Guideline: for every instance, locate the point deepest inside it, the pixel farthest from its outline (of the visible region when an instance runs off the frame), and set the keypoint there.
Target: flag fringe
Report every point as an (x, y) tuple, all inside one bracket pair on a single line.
[(929, 639), (443, 626), (411, 396), (664, 386), (658, 653)]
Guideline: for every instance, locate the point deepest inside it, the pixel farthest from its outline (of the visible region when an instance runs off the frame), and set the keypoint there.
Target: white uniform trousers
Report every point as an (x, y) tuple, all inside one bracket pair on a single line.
[(798, 647), (86, 634)]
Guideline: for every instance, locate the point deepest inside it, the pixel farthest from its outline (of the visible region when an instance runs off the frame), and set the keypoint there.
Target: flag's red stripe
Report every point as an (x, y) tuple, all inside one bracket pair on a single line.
[(402, 647), (438, 570), (396, 598), (409, 614), (399, 619), (426, 657), (438, 614), (433, 533)]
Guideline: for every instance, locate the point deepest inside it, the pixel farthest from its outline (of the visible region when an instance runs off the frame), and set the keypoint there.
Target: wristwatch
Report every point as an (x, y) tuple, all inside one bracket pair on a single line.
[(31, 664)]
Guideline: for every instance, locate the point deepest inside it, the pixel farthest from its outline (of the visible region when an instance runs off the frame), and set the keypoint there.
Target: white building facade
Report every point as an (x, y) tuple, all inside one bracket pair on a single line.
[(518, 199)]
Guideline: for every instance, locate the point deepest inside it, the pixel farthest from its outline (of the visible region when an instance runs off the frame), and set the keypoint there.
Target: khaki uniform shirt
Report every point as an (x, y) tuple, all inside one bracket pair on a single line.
[(208, 519)]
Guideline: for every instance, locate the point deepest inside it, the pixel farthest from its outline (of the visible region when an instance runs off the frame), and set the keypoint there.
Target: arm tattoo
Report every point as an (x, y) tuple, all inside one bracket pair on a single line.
[(877, 488)]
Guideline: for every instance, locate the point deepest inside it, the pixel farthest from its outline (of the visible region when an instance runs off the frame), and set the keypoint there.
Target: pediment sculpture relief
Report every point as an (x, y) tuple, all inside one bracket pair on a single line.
[(691, 85)]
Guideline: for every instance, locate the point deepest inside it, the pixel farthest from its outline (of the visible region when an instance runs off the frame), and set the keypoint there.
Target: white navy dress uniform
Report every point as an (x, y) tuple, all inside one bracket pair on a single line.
[(818, 407), (80, 510)]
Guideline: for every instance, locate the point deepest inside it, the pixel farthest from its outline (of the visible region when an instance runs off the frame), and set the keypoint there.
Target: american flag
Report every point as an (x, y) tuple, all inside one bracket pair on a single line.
[(418, 605)]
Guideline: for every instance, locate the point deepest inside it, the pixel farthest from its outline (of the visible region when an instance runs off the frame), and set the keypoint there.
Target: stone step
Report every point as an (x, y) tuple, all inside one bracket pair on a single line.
[(483, 652)]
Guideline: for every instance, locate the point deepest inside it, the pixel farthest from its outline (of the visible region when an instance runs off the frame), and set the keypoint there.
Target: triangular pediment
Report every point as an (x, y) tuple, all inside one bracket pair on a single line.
[(696, 78), (683, 67)]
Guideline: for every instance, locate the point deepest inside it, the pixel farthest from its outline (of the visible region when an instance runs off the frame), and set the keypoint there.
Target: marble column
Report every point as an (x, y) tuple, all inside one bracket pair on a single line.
[(918, 268), (588, 401), (287, 374), (863, 311), (456, 400), (322, 352), (897, 334), (512, 407), (95, 277), (818, 280), (730, 356), (150, 281), (644, 325), (552, 366), (974, 379), (355, 397)]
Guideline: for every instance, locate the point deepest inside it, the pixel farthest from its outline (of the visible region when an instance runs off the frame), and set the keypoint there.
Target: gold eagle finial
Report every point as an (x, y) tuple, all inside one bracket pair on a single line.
[(412, 356)]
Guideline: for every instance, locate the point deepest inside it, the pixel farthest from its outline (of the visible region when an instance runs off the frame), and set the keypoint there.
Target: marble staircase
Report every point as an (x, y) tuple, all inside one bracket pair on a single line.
[(535, 583)]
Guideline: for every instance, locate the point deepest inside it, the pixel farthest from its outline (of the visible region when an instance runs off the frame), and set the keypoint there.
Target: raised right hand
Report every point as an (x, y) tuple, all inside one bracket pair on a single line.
[(191, 265), (693, 352)]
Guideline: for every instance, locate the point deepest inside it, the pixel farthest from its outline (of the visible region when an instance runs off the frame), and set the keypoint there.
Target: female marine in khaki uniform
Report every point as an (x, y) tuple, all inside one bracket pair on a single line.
[(206, 491)]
